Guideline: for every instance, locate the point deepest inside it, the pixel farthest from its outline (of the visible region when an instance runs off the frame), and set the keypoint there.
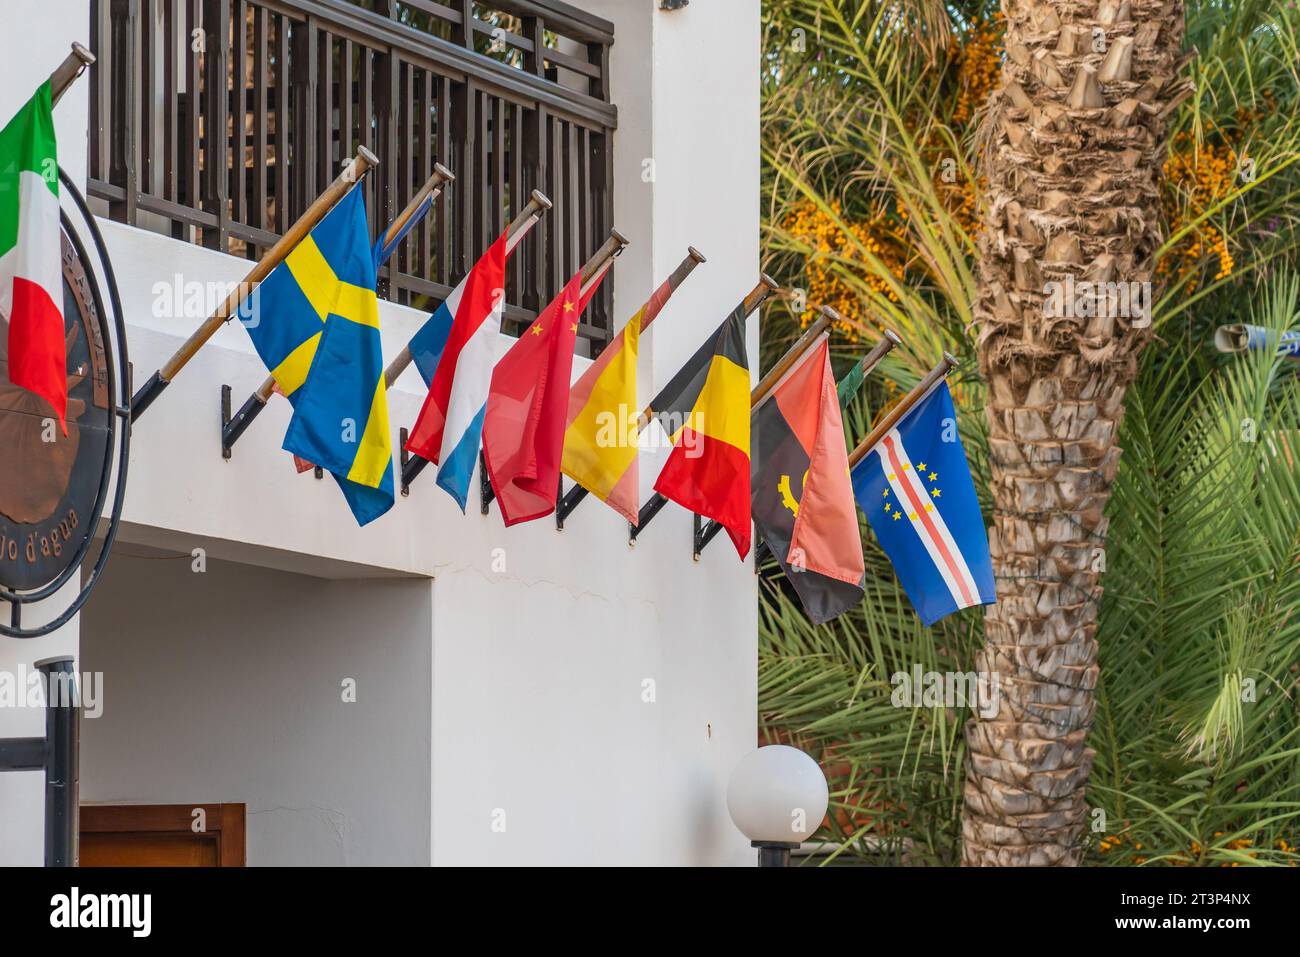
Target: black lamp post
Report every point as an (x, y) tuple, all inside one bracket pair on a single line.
[(56, 755)]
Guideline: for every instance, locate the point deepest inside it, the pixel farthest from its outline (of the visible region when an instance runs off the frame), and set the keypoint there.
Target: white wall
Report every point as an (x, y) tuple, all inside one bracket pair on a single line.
[(227, 686), (538, 664)]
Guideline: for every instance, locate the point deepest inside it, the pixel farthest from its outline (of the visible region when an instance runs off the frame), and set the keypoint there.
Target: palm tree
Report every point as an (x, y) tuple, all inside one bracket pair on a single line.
[(1075, 141), (870, 178)]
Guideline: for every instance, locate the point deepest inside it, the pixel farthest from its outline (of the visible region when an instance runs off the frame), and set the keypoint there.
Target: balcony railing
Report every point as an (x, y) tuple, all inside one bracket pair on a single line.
[(218, 121)]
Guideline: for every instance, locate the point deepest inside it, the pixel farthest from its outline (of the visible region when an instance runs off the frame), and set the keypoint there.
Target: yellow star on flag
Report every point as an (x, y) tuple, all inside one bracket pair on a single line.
[(897, 516), (936, 492), (537, 329), (568, 306), (934, 476), (921, 466)]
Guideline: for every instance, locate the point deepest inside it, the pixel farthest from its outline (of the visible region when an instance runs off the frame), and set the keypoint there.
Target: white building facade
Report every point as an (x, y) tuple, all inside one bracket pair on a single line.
[(522, 695)]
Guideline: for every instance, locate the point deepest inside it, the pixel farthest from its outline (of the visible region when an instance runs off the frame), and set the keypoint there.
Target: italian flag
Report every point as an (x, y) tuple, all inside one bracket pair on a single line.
[(31, 286)]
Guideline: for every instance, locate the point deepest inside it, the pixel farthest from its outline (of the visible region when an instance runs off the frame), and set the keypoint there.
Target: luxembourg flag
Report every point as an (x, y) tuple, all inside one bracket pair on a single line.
[(916, 490), (427, 344), (450, 425)]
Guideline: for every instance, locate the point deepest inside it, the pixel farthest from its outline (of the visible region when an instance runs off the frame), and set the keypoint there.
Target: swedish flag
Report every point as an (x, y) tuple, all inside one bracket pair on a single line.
[(315, 322)]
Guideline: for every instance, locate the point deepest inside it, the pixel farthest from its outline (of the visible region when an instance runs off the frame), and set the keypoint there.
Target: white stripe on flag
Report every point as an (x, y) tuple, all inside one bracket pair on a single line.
[(928, 523), (452, 302), (471, 380), (37, 255)]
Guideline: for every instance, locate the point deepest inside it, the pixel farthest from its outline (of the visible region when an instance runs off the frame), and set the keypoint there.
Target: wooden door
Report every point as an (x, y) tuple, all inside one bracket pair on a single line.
[(162, 835)]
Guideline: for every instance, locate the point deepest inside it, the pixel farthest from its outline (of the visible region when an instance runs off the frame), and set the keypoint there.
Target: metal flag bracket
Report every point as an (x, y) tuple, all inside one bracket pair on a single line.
[(568, 502), (485, 493), (704, 533), (233, 426), (649, 510)]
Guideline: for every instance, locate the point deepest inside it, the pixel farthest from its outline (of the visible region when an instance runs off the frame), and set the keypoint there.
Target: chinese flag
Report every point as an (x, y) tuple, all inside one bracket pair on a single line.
[(527, 409)]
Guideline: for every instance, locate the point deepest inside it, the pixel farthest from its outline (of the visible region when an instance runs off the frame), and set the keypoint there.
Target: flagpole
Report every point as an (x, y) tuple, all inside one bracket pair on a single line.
[(73, 65), (431, 190), (705, 532), (574, 496), (352, 174), (766, 286), (613, 246), (234, 426), (826, 315), (867, 365), (753, 299), (882, 348), (895, 415), (528, 217)]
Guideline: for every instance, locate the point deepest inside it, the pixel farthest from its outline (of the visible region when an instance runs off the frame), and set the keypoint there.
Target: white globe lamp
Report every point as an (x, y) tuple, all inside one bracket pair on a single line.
[(777, 797)]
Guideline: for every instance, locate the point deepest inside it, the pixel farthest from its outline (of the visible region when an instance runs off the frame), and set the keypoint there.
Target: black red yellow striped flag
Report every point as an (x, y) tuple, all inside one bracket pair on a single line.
[(705, 408)]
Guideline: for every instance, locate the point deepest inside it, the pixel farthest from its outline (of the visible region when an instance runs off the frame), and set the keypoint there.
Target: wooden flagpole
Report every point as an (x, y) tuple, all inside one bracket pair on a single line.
[(881, 349), (528, 217), (766, 286), (867, 363), (571, 499), (613, 246), (431, 190), (826, 315), (753, 299), (73, 65), (895, 415), (352, 174), (234, 426)]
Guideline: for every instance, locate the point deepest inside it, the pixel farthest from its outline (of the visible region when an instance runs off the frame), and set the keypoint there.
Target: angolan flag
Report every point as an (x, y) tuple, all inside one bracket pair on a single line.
[(31, 285), (802, 497)]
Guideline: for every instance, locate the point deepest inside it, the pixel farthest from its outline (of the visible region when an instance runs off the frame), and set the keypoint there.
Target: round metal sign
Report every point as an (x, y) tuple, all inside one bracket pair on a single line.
[(56, 486), (49, 481)]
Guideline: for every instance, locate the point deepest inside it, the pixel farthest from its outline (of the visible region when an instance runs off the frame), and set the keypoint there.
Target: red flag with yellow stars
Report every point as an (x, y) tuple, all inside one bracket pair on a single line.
[(527, 408)]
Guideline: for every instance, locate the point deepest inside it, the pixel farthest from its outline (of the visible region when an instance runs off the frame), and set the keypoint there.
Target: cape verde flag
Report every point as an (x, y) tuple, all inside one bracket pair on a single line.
[(450, 425), (916, 490)]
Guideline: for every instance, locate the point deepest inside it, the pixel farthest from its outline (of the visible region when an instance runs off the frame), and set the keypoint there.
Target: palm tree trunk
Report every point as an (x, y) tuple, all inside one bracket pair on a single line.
[(1075, 140)]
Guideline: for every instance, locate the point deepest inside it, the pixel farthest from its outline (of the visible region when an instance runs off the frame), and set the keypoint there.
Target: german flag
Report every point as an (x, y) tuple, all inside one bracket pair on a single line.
[(802, 495), (705, 408)]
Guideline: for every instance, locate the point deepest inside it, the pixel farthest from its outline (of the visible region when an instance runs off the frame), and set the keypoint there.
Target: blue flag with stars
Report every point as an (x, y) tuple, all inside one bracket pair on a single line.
[(916, 490)]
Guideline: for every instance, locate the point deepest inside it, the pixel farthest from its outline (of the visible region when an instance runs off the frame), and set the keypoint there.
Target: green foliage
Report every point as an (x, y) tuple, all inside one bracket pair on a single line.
[(1197, 731)]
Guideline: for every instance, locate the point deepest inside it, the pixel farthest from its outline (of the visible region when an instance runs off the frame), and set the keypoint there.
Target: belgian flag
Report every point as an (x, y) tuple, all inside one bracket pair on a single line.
[(705, 408), (802, 494)]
